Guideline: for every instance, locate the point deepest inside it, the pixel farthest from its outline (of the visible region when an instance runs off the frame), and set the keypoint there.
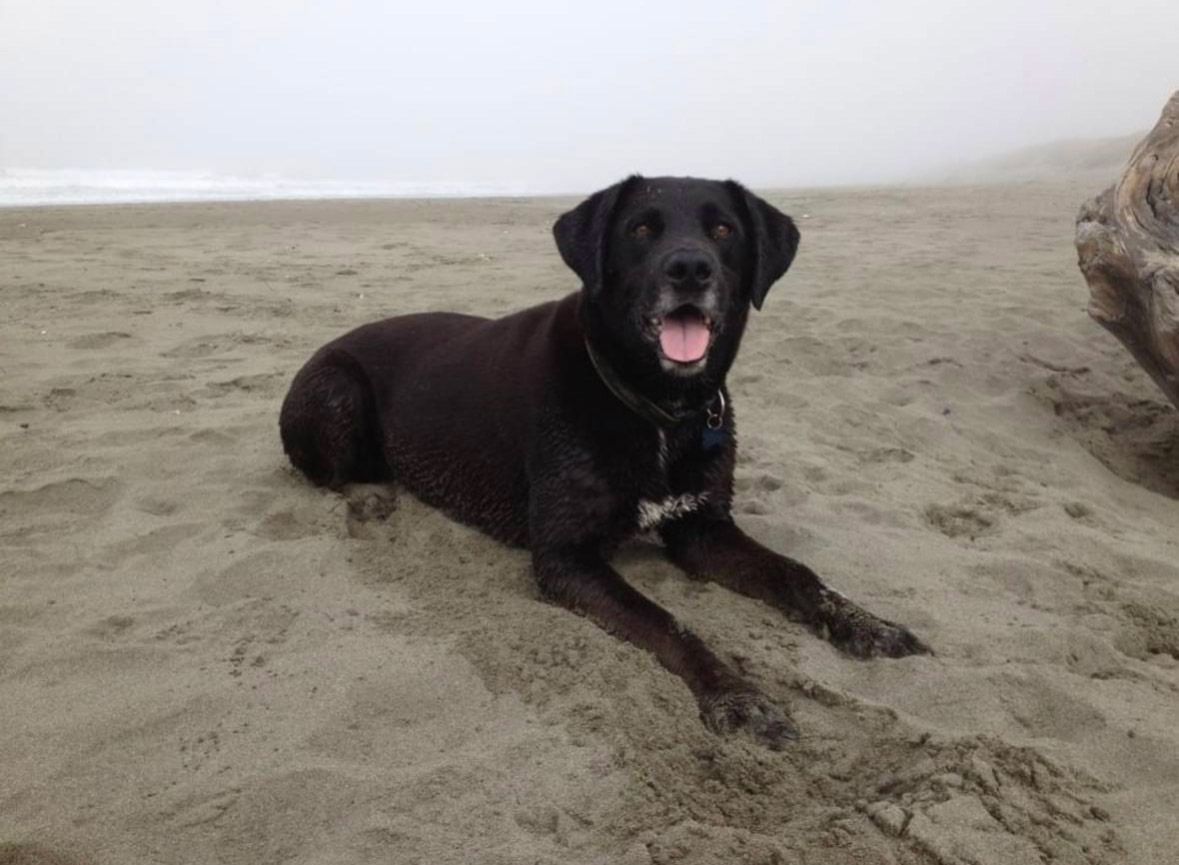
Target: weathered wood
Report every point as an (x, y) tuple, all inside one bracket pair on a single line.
[(1128, 245)]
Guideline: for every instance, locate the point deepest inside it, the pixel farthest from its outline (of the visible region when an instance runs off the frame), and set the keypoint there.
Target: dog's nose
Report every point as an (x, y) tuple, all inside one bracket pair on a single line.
[(688, 265)]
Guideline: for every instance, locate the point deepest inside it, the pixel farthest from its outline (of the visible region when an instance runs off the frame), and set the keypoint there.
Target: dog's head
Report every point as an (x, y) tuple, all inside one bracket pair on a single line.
[(670, 266)]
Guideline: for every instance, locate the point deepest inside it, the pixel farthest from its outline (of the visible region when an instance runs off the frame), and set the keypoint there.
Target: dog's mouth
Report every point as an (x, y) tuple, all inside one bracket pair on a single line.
[(684, 334)]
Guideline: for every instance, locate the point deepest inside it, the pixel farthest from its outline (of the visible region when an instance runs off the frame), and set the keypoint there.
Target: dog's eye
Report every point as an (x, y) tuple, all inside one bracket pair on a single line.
[(720, 231), (641, 231)]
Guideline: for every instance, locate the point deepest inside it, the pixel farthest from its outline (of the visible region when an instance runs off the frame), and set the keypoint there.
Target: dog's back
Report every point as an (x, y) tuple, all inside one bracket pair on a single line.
[(441, 402)]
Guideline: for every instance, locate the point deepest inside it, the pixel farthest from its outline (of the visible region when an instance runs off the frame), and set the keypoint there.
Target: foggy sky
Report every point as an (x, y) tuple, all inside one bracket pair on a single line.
[(568, 96)]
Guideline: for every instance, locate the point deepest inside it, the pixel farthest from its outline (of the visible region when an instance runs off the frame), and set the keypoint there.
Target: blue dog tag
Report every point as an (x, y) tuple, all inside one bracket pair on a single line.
[(711, 439)]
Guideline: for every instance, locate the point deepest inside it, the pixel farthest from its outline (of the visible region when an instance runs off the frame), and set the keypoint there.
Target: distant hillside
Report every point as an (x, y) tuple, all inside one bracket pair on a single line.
[(1097, 161)]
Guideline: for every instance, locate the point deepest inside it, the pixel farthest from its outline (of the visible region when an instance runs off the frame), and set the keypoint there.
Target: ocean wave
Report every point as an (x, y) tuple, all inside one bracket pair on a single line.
[(36, 186)]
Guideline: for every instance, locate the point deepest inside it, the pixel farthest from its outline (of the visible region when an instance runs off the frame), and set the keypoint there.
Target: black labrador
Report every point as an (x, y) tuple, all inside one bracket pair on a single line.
[(571, 426)]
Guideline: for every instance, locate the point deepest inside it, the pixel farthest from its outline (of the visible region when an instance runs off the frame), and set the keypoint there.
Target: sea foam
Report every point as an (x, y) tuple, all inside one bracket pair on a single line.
[(37, 186)]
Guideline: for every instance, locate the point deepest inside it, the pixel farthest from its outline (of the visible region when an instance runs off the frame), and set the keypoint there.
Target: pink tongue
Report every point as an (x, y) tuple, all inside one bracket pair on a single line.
[(684, 338)]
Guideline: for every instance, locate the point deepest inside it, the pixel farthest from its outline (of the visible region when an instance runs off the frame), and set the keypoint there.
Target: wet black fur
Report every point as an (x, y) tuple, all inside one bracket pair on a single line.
[(505, 425)]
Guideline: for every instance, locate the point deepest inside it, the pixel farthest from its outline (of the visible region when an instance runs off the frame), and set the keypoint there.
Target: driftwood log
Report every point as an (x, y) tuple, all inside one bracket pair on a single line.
[(1128, 242)]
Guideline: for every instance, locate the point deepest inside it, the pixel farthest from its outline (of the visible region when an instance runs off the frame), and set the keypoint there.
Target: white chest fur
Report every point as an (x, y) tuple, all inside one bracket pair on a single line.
[(651, 514)]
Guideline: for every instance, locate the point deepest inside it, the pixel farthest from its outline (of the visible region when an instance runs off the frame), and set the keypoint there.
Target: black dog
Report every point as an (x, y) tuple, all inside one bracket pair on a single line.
[(572, 425)]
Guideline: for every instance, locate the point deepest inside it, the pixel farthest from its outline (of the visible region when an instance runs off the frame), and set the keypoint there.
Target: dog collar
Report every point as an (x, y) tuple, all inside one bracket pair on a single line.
[(648, 408)]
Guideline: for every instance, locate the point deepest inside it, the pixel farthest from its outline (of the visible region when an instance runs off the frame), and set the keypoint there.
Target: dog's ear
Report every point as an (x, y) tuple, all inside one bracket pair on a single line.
[(773, 241), (581, 233)]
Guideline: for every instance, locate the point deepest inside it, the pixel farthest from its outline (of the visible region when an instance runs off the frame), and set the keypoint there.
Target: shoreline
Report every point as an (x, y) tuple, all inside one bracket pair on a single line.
[(1097, 180)]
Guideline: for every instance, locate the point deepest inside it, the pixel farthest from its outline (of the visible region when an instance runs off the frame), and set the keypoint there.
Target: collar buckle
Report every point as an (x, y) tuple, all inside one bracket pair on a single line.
[(716, 415)]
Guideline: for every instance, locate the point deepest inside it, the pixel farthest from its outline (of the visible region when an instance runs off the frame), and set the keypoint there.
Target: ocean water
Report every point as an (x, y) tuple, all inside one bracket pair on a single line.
[(34, 186)]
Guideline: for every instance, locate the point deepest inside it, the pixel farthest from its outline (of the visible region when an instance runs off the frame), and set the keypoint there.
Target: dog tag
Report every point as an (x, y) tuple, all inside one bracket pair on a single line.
[(711, 439)]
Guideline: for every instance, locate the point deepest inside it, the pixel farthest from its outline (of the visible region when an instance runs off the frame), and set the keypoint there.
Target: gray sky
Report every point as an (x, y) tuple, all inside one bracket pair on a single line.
[(570, 95)]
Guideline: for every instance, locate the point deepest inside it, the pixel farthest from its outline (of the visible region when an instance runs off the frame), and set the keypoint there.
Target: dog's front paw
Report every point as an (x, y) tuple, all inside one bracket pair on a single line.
[(750, 711), (864, 635)]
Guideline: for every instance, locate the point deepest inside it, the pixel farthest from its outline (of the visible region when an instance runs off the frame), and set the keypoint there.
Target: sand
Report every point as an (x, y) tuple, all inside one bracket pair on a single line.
[(203, 659)]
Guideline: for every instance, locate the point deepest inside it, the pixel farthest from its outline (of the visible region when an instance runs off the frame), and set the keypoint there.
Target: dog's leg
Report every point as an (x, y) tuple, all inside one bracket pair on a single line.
[(580, 579), (714, 548)]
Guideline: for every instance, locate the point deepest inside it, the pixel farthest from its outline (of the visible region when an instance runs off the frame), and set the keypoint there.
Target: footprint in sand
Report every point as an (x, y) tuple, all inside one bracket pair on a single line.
[(268, 383), (158, 506), (211, 344), (884, 455), (159, 541), (753, 507), (58, 506), (60, 398), (1134, 438), (210, 809), (111, 628), (1147, 631), (758, 482), (266, 513), (98, 340), (959, 521), (978, 515), (264, 574), (369, 503), (1045, 710), (214, 437), (291, 524)]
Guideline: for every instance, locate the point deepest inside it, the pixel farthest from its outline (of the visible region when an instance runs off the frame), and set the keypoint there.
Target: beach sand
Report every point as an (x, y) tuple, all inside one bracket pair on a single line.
[(204, 659)]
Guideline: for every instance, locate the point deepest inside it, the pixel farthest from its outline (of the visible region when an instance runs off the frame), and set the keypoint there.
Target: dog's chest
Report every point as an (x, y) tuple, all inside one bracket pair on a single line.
[(652, 513), (658, 504)]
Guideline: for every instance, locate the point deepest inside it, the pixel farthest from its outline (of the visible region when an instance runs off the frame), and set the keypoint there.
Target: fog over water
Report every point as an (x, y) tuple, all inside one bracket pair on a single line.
[(396, 98)]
